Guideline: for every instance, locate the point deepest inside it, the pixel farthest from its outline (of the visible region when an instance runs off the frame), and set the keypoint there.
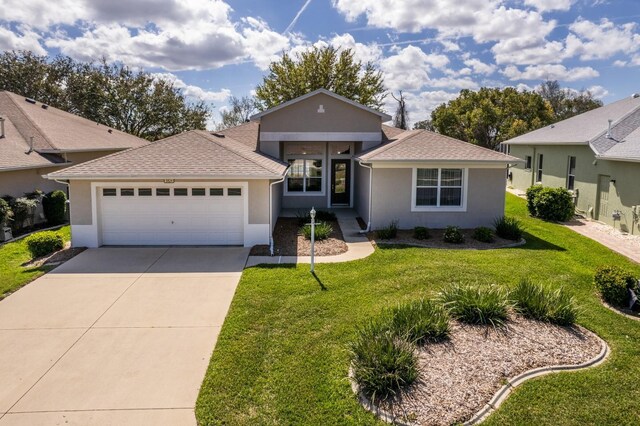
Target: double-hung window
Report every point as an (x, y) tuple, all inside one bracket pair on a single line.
[(539, 168), (571, 173), (439, 188), (304, 176)]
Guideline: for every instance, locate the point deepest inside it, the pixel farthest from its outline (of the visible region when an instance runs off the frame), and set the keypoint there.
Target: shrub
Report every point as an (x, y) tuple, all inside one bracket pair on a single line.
[(54, 205), (43, 243), (508, 228), (421, 233), (322, 231), (453, 235), (5, 213), (321, 216), (419, 322), (388, 232), (532, 196), (477, 304), (612, 283), (23, 209), (543, 304), (483, 234), (382, 363)]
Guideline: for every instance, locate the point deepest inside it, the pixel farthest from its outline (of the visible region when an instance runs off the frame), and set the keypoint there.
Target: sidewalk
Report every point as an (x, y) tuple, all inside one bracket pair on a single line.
[(358, 245)]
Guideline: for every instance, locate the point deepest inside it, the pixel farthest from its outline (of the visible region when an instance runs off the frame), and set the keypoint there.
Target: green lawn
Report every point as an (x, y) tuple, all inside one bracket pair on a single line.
[(12, 256), (281, 356)]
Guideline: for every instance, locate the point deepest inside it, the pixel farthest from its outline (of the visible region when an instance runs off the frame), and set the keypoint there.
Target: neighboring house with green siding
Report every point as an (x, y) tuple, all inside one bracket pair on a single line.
[(596, 155)]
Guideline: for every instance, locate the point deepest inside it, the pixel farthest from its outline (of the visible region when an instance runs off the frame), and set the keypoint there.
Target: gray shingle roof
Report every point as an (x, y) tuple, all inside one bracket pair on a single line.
[(591, 128), (15, 153), (56, 130), (196, 153), (423, 145)]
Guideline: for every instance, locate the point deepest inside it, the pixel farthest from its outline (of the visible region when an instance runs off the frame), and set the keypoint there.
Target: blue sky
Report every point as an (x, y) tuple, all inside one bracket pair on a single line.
[(430, 49)]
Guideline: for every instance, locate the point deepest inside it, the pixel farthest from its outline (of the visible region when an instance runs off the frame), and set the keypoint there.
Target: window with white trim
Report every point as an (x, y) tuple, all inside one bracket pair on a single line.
[(439, 187), (305, 175)]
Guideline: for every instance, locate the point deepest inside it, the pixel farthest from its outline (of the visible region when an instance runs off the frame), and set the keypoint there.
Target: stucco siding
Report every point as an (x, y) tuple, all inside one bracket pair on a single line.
[(392, 191), (276, 207), (80, 202), (361, 195), (622, 195), (17, 182), (303, 116), (258, 201)]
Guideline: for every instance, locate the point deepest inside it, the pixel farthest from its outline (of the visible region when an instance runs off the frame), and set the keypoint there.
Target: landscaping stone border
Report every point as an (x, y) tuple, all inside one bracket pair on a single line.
[(499, 397), (620, 311)]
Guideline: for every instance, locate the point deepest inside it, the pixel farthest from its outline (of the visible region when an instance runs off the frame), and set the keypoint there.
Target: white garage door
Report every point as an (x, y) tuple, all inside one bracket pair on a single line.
[(177, 215)]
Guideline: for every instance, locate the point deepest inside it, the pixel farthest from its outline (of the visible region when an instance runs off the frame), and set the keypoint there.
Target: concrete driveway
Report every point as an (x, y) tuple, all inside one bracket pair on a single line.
[(115, 336)]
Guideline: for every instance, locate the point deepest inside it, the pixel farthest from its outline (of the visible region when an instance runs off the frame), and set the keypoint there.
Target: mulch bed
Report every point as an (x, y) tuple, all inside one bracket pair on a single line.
[(289, 242), (405, 237), (458, 377), (55, 258)]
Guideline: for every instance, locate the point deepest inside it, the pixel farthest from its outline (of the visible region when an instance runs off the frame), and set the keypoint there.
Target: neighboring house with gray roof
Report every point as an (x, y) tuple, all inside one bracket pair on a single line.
[(319, 150), (36, 139), (595, 154)]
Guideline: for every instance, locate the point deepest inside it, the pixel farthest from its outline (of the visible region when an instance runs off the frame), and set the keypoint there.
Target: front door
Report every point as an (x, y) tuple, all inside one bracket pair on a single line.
[(340, 182), (604, 182)]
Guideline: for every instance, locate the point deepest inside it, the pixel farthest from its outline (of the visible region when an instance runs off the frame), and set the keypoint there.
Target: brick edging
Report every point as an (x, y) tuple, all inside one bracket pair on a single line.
[(619, 312), (499, 397)]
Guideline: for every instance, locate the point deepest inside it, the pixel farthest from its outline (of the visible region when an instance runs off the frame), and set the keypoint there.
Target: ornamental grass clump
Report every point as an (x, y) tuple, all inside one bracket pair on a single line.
[(475, 304), (322, 231), (420, 321), (508, 228), (540, 303), (483, 234), (382, 363), (389, 232)]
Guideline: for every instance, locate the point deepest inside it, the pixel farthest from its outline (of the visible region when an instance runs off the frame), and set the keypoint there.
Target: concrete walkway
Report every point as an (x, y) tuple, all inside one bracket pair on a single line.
[(358, 245), (115, 336)]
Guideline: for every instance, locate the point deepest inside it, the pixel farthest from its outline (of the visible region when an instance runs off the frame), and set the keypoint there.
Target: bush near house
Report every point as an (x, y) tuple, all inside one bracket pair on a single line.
[(54, 205), (43, 243), (389, 232), (453, 235), (321, 216), (554, 204), (612, 283), (483, 234), (508, 228), (23, 209), (322, 231), (6, 214), (421, 233)]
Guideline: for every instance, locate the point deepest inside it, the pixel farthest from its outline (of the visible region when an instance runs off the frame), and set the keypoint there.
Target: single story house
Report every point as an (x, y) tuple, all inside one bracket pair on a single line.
[(596, 155), (36, 139), (319, 150)]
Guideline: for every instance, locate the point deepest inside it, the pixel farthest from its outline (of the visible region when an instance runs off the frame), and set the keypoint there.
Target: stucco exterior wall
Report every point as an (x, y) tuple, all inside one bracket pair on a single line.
[(277, 202), (303, 116), (624, 194), (361, 196), (17, 182), (392, 191)]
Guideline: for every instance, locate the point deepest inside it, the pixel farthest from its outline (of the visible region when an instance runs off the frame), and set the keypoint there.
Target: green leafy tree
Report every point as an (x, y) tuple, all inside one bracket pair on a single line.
[(490, 116), (240, 112), (567, 103), (321, 67), (135, 102), (424, 124)]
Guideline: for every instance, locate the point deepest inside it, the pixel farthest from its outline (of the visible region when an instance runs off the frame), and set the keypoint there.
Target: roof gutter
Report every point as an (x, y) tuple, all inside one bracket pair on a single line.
[(631, 160), (162, 177)]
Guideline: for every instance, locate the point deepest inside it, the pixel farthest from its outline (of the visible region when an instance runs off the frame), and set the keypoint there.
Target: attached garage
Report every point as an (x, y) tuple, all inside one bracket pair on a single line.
[(177, 215)]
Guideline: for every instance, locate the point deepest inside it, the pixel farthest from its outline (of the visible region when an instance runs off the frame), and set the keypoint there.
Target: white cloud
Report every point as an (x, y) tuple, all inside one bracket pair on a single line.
[(27, 40), (362, 52), (454, 83), (195, 92), (619, 63), (480, 67), (409, 68), (598, 92), (421, 104), (528, 51), (41, 14), (601, 41), (549, 72), (549, 5)]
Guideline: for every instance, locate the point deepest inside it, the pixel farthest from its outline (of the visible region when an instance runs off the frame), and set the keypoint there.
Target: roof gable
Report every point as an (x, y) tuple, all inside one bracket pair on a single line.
[(383, 116)]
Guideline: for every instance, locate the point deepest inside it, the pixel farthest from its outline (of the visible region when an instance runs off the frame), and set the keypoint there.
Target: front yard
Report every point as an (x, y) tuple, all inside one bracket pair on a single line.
[(282, 358), (13, 259)]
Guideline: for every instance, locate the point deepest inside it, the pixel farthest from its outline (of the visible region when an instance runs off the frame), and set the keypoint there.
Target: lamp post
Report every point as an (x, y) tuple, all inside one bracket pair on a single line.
[(312, 214)]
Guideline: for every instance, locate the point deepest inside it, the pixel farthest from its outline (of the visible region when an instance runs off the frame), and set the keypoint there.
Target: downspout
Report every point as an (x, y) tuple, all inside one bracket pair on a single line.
[(271, 248), (370, 196)]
